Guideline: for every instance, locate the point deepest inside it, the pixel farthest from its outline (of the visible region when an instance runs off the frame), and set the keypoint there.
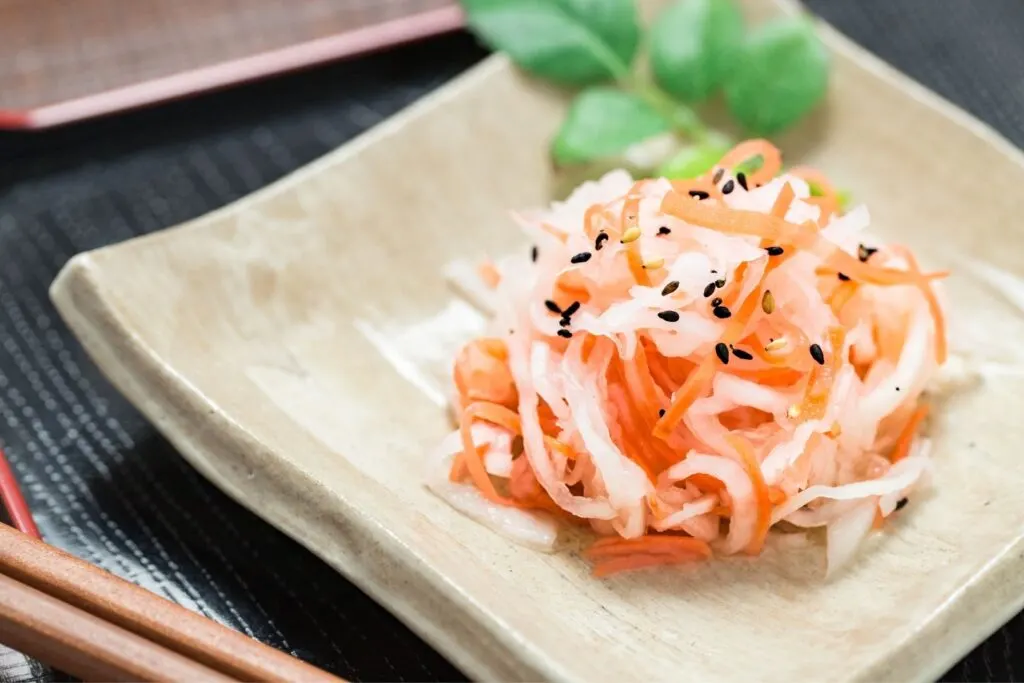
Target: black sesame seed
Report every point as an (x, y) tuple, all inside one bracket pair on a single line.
[(714, 272), (718, 176), (897, 388), (564, 333), (602, 237), (709, 290), (664, 230), (721, 312), (661, 412), (864, 252), (669, 316), (741, 178), (699, 194), (534, 253), (902, 503), (817, 354), (720, 283), (843, 277), (775, 251), (722, 351), (728, 187), (565, 322), (552, 306), (581, 257), (717, 301), (670, 288), (742, 355), (571, 308)]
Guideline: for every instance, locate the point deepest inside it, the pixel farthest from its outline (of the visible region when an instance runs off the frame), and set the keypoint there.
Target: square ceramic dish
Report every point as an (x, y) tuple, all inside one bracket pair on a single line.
[(295, 346)]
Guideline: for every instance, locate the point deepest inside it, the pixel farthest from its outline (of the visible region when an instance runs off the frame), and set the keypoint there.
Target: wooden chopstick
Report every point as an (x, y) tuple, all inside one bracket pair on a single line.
[(77, 642), (94, 593)]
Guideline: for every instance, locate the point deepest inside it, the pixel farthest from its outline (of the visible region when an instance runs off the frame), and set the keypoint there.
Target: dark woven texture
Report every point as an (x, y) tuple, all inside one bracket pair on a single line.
[(104, 485)]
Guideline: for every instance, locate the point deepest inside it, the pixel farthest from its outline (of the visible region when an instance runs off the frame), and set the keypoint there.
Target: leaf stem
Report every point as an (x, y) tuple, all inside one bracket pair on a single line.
[(683, 118)]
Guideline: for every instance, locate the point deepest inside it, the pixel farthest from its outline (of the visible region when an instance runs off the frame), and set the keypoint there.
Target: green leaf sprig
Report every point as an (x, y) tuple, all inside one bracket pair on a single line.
[(770, 76)]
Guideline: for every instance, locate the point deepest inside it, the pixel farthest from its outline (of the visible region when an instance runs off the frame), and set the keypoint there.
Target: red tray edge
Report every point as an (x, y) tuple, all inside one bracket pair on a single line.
[(236, 71)]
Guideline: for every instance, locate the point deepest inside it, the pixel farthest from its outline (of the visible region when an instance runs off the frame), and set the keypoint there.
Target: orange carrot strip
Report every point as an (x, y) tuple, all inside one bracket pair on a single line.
[(841, 296), (771, 159), (706, 483), (471, 457), (933, 307), (782, 203), (489, 273), (613, 546), (761, 492), (776, 496), (696, 385), (804, 236), (906, 437)]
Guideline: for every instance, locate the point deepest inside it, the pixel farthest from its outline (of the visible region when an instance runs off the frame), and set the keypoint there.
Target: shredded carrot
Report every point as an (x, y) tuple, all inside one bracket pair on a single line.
[(696, 385), (783, 201), (906, 437), (933, 308), (771, 159), (613, 555), (761, 493)]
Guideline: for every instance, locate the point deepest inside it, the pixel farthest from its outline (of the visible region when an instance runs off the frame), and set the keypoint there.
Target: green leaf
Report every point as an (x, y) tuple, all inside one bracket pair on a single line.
[(602, 122), (781, 74), (693, 46), (572, 42), (693, 160)]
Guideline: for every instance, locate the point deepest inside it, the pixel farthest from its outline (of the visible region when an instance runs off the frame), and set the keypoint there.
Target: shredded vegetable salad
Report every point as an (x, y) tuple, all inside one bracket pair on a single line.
[(687, 366)]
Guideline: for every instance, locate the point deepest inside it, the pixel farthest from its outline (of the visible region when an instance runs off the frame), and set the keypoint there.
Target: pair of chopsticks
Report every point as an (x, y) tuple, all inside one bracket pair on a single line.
[(89, 623)]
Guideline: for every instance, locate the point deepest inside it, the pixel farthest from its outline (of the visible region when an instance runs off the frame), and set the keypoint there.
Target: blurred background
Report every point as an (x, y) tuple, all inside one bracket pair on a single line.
[(120, 118)]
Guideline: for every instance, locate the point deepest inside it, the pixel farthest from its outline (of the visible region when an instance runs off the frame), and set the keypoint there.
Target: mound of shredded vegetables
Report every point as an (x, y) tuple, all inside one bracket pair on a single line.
[(686, 366)]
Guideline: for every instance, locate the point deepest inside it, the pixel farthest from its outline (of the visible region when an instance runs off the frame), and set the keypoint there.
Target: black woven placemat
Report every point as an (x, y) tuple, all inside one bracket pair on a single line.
[(104, 485)]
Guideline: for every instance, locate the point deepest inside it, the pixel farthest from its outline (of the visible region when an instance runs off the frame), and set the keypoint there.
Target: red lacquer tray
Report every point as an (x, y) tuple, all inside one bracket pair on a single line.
[(64, 60)]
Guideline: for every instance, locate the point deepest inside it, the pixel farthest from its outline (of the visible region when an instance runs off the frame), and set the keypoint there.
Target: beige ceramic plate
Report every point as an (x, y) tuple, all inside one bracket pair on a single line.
[(295, 347)]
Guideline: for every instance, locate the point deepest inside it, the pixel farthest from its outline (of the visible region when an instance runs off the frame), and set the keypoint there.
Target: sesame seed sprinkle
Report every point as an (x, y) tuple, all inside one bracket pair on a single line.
[(775, 251), (670, 288), (565, 334), (722, 351), (599, 241), (902, 503), (661, 412), (571, 308), (721, 312), (552, 306), (534, 253), (654, 263), (669, 316), (768, 301), (720, 283), (664, 230), (728, 187), (717, 301), (709, 290), (631, 235), (718, 176), (699, 194), (843, 277), (742, 355), (565, 322), (817, 354), (741, 178), (581, 257), (865, 252)]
